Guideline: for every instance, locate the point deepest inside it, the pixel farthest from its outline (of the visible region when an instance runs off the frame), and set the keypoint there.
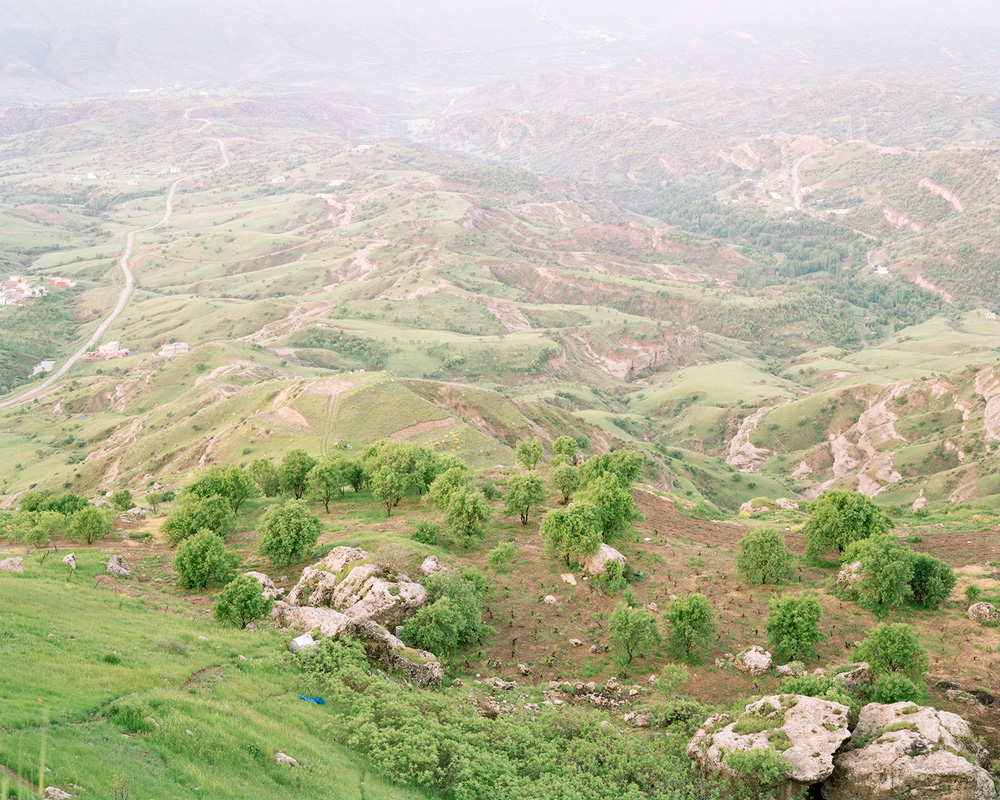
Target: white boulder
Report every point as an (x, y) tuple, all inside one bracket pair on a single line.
[(70, 560), (986, 613), (805, 731), (15, 564), (754, 660), (340, 557), (270, 590), (596, 564), (430, 565), (903, 750), (118, 566), (315, 588)]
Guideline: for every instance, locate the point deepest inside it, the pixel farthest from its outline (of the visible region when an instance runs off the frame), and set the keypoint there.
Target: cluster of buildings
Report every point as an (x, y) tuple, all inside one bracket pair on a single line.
[(107, 352), (16, 290)]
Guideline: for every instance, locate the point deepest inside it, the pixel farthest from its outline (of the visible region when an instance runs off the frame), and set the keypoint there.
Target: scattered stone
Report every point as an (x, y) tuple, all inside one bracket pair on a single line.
[(786, 504), (652, 680), (958, 696), (242, 658), (499, 683), (985, 613), (457, 683), (594, 648), (549, 600), (54, 793), (576, 643), (70, 560), (784, 669), (651, 607), (132, 515), (814, 728), (591, 687), (640, 721), (612, 685), (604, 723), (203, 638), (553, 685), (118, 566), (568, 578), (633, 692), (270, 590), (753, 660), (524, 669), (340, 557), (903, 750), (820, 671), (282, 758), (596, 564), (857, 677), (944, 683), (15, 564), (430, 565)]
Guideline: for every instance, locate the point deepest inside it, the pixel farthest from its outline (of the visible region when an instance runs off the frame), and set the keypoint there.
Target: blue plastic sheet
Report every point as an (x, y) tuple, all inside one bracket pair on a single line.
[(317, 700)]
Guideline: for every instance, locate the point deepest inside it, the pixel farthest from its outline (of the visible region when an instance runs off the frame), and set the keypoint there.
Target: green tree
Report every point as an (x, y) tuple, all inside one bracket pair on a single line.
[(528, 452), (455, 479), (241, 602), (566, 480), (197, 513), (326, 481), (763, 553), (266, 476), (691, 625), (839, 517), (614, 506), (443, 628), (200, 558), (67, 503), (232, 483), (572, 532), (288, 532), (565, 446), (294, 471), (154, 500), (415, 464), (633, 632), (524, 490), (893, 649), (388, 487), (793, 624), (354, 474), (886, 570), (34, 500), (623, 464), (435, 627), (90, 524), (932, 580), (122, 500), (466, 516)]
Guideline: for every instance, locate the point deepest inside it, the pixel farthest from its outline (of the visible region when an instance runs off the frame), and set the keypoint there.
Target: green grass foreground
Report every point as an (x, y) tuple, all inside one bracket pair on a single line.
[(124, 697)]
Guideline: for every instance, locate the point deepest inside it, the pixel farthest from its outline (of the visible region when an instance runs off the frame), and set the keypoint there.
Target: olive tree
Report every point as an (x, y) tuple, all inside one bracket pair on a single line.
[(839, 517), (762, 554), (524, 491), (633, 632), (288, 531), (573, 532)]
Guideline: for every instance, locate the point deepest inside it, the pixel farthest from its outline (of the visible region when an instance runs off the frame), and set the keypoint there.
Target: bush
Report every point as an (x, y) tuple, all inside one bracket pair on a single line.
[(200, 558), (691, 626), (886, 572), (288, 532), (793, 625), (763, 553), (425, 533), (932, 580), (613, 579), (760, 769), (823, 687), (491, 491), (453, 616), (893, 649), (972, 594), (633, 632), (897, 689), (466, 515), (91, 524), (122, 500), (241, 602), (502, 554), (198, 513), (446, 484)]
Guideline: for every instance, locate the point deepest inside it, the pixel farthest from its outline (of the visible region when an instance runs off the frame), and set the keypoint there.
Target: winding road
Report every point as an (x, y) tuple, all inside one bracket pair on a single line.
[(126, 292)]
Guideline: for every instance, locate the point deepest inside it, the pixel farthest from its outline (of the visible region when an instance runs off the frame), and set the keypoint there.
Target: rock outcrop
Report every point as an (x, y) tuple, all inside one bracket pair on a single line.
[(596, 564), (315, 588), (118, 566), (340, 557), (854, 676), (804, 731), (70, 560), (985, 613), (903, 750), (15, 564), (417, 666), (754, 660), (848, 577), (431, 565)]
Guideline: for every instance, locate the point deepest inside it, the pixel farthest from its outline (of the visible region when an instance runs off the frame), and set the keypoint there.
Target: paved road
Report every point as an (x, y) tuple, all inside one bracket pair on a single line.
[(127, 290)]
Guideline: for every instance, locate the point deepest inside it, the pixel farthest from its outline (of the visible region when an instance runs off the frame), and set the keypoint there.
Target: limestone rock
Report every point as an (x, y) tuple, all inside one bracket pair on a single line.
[(786, 670), (958, 696), (370, 597), (55, 793), (340, 557), (549, 600), (329, 622), (754, 660), (929, 754), (986, 613), (576, 643), (430, 565), (815, 728), (281, 758), (118, 566), (15, 564), (70, 560), (848, 577), (524, 669), (417, 666), (132, 515), (859, 676), (787, 504), (595, 564), (270, 590), (315, 588)]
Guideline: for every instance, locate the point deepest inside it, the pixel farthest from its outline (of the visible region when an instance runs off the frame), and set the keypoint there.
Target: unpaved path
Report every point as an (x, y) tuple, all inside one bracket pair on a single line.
[(123, 263)]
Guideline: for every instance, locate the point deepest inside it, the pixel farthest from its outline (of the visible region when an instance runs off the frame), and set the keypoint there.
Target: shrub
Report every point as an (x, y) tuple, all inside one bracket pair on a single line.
[(466, 515), (613, 579), (897, 689), (691, 626), (972, 594), (491, 491), (793, 624), (502, 554), (528, 452), (760, 769), (241, 602), (91, 524), (932, 580), (197, 513), (122, 500), (288, 532), (453, 616), (425, 533), (763, 553), (893, 648), (200, 558), (885, 572), (447, 483), (633, 632)]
